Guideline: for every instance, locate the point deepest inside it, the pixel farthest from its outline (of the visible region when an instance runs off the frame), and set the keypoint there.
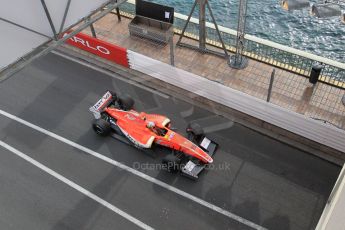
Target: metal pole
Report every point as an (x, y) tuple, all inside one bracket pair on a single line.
[(271, 85), (218, 32), (172, 58), (93, 31), (186, 24), (202, 24), (238, 61), (25, 28), (49, 19), (64, 16), (118, 14)]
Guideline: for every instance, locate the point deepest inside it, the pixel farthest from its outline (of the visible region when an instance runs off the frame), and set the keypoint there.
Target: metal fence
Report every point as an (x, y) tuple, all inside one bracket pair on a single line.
[(275, 54)]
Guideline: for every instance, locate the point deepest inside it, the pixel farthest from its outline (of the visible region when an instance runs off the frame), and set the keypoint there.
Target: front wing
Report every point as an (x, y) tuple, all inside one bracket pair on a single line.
[(192, 169)]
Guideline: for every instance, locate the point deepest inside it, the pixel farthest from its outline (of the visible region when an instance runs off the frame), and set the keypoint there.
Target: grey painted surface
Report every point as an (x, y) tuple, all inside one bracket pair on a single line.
[(149, 203), (268, 182), (31, 199)]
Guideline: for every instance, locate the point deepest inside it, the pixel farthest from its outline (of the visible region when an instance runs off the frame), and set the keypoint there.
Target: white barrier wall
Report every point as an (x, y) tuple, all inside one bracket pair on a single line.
[(333, 216), (293, 122)]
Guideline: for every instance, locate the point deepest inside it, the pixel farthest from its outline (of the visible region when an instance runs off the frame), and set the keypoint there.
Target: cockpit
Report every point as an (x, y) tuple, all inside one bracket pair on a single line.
[(157, 130)]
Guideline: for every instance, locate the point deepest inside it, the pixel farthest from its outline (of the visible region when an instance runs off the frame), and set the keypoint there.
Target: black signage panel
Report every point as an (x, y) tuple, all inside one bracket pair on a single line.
[(155, 11)]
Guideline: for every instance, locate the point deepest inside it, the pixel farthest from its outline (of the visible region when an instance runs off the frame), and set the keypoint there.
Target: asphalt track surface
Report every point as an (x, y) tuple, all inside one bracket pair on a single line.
[(255, 178)]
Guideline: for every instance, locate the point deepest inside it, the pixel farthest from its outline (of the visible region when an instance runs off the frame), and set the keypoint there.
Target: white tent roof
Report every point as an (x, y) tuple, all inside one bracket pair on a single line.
[(25, 25)]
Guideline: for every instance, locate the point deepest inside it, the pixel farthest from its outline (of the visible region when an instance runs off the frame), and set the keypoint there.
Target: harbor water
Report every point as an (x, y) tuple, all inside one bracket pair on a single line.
[(266, 19)]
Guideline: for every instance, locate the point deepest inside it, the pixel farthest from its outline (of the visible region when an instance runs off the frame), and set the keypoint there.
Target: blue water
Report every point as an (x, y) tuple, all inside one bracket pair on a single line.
[(266, 19)]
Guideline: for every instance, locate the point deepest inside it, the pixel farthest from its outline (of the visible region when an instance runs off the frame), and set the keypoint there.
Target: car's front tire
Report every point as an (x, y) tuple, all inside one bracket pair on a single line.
[(171, 163), (101, 127), (195, 132)]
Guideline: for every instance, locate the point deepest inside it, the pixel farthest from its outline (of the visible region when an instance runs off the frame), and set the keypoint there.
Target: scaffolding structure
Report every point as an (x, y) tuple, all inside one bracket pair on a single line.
[(202, 30), (55, 18), (238, 61)]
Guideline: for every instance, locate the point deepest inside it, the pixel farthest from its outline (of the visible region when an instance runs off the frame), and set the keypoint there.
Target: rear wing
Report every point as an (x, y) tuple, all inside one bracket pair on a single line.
[(101, 104)]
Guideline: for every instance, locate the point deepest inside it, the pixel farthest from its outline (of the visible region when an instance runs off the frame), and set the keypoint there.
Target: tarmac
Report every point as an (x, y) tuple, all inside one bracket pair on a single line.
[(256, 181)]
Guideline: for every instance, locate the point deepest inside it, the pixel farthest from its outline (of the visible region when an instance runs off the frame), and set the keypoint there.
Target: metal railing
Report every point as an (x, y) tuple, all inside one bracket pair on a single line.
[(262, 50)]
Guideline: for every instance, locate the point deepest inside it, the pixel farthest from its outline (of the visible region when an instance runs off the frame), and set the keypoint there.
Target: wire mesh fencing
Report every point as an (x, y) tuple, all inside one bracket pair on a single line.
[(262, 50), (291, 91)]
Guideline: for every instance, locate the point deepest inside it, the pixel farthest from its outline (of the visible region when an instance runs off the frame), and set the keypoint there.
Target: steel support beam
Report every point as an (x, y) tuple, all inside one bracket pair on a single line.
[(217, 29), (49, 19), (172, 54), (186, 24), (93, 31), (64, 16), (238, 61), (118, 14), (202, 24), (25, 28), (270, 86), (111, 5), (202, 30)]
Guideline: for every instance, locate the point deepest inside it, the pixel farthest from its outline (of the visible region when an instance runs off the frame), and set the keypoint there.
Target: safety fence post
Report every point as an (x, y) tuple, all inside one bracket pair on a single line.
[(271, 85)]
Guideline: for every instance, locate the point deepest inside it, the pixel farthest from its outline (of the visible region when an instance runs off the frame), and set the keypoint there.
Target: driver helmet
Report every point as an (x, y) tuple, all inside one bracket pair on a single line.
[(151, 124)]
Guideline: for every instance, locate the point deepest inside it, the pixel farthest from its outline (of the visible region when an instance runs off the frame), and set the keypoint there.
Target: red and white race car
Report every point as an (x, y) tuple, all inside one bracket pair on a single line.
[(114, 116)]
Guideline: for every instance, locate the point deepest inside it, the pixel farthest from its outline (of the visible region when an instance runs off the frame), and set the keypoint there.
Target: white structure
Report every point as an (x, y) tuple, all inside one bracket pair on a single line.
[(25, 25), (333, 216)]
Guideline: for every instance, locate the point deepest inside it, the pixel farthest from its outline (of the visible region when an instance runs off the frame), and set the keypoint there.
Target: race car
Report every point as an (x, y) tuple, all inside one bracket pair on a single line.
[(114, 115)]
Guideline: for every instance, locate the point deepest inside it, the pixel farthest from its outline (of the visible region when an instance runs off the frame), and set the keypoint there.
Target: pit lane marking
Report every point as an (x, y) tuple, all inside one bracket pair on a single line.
[(111, 74), (76, 186), (136, 172)]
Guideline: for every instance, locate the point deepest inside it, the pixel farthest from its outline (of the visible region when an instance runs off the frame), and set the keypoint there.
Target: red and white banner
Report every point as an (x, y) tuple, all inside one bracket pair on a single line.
[(100, 48)]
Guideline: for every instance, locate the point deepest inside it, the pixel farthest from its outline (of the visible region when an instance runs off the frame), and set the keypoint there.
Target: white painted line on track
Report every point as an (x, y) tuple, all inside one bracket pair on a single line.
[(109, 73), (76, 186), (135, 172)]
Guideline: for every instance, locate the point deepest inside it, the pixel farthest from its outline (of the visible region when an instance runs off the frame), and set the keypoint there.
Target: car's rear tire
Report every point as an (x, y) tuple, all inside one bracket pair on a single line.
[(126, 102), (101, 127), (114, 97), (171, 163)]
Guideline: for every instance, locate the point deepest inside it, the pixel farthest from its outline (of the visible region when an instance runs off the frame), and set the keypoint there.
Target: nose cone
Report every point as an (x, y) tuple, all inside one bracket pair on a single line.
[(204, 157), (209, 160)]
